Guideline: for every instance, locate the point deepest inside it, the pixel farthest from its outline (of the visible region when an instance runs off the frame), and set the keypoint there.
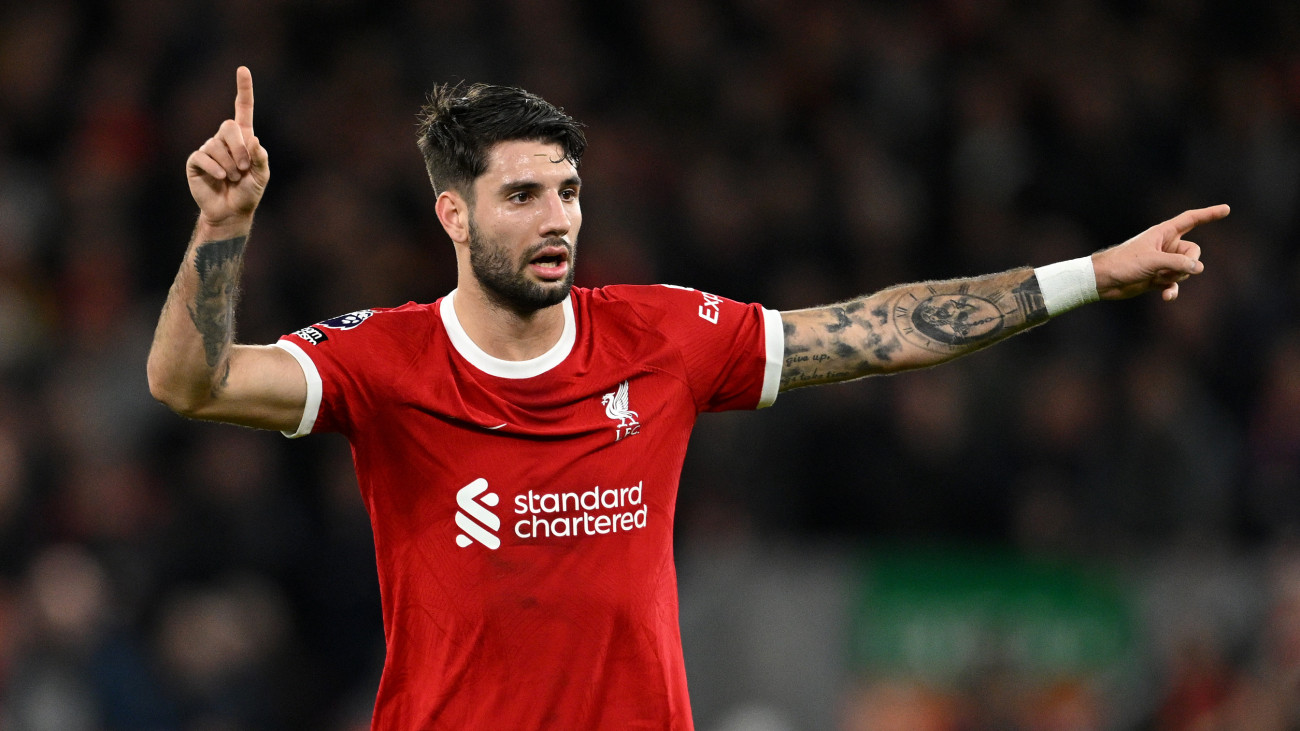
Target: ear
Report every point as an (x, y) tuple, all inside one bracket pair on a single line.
[(453, 213)]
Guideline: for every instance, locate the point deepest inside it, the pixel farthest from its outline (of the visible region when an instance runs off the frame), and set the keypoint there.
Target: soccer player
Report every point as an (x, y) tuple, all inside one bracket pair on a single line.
[(519, 442)]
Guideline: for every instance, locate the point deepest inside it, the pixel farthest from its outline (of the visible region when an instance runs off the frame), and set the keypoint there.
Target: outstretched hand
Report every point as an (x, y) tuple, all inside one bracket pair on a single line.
[(229, 172), (1158, 258)]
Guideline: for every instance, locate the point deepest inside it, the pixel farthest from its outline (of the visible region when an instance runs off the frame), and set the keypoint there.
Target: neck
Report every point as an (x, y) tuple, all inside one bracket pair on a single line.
[(505, 333)]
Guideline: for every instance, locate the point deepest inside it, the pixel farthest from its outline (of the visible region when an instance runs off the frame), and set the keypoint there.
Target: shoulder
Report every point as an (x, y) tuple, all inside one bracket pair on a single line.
[(411, 314), (650, 303), (410, 322)]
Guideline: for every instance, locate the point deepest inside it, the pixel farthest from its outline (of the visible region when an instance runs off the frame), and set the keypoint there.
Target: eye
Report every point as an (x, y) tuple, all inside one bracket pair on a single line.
[(520, 197), (569, 194)]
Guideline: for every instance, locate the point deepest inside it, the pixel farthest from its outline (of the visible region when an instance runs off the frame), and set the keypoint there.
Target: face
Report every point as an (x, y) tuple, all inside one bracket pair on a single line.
[(523, 226)]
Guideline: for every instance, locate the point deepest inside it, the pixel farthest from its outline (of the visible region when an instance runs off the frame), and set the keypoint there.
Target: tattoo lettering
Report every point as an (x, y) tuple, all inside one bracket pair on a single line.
[(793, 359), (814, 376), (218, 264)]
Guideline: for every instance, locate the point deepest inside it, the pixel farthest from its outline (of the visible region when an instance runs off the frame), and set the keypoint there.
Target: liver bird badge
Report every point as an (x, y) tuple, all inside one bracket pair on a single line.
[(617, 408)]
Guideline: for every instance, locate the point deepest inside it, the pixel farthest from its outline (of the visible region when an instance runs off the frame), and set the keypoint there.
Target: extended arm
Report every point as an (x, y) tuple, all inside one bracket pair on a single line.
[(195, 368), (908, 326), (924, 324)]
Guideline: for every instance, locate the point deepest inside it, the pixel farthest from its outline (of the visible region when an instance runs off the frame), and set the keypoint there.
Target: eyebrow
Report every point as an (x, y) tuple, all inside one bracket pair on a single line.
[(532, 186)]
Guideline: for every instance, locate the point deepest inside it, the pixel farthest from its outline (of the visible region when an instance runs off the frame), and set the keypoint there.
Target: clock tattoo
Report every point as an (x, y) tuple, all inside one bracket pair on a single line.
[(943, 322)]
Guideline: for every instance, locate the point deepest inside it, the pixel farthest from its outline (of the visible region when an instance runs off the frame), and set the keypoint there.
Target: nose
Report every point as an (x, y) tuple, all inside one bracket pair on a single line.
[(557, 218)]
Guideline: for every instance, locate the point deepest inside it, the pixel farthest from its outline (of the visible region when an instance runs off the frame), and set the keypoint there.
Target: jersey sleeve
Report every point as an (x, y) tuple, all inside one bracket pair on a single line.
[(731, 352), (351, 362)]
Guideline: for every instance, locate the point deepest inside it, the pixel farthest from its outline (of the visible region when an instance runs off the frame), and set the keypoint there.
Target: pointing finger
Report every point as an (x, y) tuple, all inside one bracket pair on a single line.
[(244, 100), (1185, 221)]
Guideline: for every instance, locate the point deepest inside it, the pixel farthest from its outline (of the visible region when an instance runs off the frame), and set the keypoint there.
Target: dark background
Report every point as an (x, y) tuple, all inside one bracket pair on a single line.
[(157, 573)]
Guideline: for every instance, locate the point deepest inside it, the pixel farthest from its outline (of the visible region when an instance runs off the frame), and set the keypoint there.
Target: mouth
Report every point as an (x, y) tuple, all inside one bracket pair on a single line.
[(550, 262)]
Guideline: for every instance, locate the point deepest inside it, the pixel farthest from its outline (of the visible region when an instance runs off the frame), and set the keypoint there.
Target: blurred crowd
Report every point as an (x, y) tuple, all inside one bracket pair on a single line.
[(163, 574)]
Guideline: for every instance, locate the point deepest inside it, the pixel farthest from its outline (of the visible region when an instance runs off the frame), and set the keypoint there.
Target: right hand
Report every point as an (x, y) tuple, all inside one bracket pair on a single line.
[(229, 172), (1158, 258)]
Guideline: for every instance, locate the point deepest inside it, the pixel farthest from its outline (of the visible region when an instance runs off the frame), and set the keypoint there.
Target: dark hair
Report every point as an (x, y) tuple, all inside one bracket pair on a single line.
[(459, 125)]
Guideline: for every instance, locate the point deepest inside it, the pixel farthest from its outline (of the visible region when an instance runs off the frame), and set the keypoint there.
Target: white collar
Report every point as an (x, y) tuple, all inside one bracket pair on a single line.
[(494, 366)]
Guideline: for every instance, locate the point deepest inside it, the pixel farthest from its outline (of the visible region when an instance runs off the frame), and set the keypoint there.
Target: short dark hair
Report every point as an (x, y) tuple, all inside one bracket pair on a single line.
[(459, 124)]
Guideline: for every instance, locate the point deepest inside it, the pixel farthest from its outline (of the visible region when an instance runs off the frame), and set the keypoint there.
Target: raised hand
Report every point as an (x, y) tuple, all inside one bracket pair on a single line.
[(1158, 258), (229, 172)]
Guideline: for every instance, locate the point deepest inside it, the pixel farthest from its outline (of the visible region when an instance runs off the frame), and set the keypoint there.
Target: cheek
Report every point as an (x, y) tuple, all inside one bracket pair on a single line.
[(508, 225)]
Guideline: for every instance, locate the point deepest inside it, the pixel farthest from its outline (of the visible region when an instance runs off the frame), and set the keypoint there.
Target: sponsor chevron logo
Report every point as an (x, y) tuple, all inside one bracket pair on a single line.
[(467, 498)]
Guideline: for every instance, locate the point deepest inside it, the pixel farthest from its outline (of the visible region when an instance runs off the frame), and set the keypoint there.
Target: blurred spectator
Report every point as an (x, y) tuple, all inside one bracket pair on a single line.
[(219, 647)]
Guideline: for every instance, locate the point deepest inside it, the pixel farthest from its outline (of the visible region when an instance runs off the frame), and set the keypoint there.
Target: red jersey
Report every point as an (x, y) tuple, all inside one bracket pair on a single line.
[(523, 510)]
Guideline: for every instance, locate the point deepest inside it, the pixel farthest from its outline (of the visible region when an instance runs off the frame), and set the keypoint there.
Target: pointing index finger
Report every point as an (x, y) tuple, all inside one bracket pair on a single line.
[(244, 100), (1188, 220)]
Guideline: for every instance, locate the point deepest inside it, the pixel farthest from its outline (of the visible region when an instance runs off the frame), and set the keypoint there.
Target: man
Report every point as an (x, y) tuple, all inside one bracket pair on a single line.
[(519, 442)]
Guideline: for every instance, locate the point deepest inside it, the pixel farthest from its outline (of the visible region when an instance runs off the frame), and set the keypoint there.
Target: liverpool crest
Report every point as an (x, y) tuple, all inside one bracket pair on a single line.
[(617, 408)]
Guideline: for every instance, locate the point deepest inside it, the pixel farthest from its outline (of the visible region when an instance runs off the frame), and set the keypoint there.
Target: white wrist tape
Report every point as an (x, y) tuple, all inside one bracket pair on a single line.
[(1067, 284)]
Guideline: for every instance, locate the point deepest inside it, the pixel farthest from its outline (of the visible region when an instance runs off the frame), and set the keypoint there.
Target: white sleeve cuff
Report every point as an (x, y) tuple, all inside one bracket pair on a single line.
[(774, 342), (314, 388)]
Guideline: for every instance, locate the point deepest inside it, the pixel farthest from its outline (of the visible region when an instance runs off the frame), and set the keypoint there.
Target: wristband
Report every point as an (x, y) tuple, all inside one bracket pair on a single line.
[(1067, 284)]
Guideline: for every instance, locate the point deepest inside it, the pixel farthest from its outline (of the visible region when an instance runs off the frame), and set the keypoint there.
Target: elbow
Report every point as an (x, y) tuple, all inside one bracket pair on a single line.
[(166, 398), (167, 391), (172, 399)]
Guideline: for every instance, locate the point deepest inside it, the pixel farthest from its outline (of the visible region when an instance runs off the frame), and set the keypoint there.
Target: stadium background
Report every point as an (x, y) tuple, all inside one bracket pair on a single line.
[(1090, 526)]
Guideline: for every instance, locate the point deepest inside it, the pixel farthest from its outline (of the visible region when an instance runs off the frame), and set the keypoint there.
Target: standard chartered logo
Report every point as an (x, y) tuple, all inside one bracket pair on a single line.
[(598, 511), (465, 498)]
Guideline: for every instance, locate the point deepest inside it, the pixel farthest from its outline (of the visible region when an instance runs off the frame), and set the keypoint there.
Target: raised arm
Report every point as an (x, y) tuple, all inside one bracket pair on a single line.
[(927, 323), (194, 366)]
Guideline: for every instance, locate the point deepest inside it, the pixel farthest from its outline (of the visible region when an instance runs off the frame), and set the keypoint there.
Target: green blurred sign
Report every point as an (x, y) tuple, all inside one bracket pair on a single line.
[(937, 615)]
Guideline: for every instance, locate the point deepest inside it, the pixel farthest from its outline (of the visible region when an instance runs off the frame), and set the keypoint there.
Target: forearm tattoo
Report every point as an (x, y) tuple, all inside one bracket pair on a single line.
[(910, 326), (1029, 300), (218, 264)]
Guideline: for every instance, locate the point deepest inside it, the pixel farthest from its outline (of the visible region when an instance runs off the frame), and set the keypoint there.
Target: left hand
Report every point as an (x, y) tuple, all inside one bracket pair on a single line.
[(229, 172), (1158, 258)]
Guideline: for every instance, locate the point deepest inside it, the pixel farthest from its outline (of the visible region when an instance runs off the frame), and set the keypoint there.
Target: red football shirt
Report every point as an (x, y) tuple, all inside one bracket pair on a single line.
[(523, 511)]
